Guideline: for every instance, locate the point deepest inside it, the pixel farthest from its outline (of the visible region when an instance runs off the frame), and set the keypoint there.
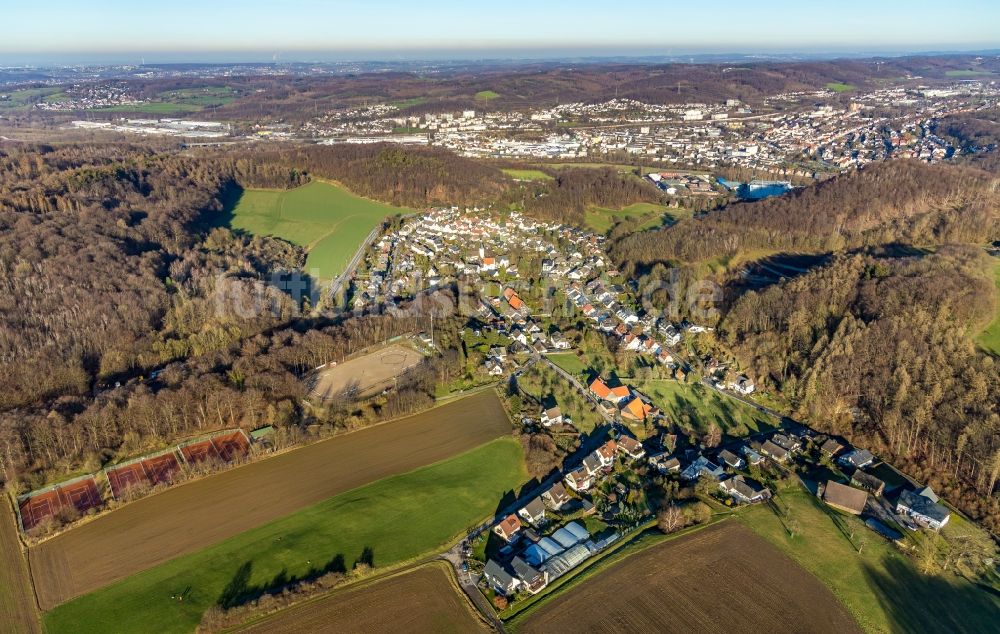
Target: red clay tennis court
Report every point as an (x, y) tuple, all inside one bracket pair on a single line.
[(82, 495), (121, 478), (198, 452), (232, 446), (160, 469)]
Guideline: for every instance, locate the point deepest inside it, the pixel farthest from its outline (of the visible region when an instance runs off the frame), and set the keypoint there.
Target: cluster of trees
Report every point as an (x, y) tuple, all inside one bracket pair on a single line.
[(895, 201), (566, 197), (878, 350)]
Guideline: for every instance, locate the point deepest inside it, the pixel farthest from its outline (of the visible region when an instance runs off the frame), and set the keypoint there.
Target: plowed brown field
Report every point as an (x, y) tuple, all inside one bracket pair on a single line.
[(186, 518), (18, 613), (721, 579), (423, 600)]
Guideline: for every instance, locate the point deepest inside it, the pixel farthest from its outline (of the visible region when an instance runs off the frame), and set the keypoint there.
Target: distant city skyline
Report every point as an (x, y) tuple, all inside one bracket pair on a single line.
[(115, 31)]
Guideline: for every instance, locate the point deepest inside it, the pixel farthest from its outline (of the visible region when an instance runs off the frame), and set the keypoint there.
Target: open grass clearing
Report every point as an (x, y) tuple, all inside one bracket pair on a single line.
[(720, 578), (486, 95), (695, 406), (424, 599), (600, 219), (192, 516), (880, 587), (837, 86), (989, 339), (328, 221), (390, 521), (527, 174)]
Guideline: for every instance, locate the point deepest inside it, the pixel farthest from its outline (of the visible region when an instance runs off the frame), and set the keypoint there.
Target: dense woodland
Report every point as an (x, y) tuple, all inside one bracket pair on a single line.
[(875, 341), (896, 201)]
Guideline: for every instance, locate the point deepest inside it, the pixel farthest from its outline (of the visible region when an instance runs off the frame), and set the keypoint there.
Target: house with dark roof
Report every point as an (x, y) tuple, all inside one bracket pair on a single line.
[(499, 579), (845, 498), (730, 460), (868, 482), (555, 496), (745, 490), (533, 512), (531, 579), (859, 459), (579, 479), (922, 506), (702, 466), (773, 451), (753, 458), (664, 463), (831, 447), (791, 444), (631, 448)]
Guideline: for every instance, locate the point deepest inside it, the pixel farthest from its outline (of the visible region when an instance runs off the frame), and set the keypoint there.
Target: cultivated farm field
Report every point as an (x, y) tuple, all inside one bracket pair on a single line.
[(719, 579), (18, 613), (195, 515), (364, 375), (421, 600), (329, 222), (396, 519)]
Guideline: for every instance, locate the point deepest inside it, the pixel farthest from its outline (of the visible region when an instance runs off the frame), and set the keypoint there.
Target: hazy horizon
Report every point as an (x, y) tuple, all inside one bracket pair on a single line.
[(114, 31)]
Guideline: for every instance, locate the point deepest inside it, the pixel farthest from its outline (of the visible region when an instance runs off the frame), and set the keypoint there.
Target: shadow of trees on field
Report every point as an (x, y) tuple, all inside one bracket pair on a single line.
[(927, 603), (239, 590)]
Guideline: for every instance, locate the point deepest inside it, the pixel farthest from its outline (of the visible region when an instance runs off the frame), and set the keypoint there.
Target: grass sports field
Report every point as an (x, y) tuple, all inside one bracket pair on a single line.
[(393, 520), (329, 222), (695, 406), (880, 587), (424, 599), (837, 86), (527, 174), (989, 339), (186, 518), (18, 613), (719, 579), (364, 375), (598, 219)]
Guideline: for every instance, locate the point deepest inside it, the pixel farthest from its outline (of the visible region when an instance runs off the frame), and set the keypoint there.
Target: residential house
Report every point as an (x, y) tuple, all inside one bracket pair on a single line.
[(702, 466), (742, 384), (730, 460), (499, 579), (774, 452), (665, 463), (745, 490), (531, 579), (859, 459), (508, 527), (559, 341), (556, 496), (753, 458), (845, 498), (605, 454), (637, 409), (533, 512), (922, 506), (578, 479), (868, 482), (552, 416), (493, 367), (831, 447), (631, 447), (791, 444)]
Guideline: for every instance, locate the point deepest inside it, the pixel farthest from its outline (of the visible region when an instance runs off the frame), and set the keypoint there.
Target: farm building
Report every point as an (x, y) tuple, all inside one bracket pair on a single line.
[(845, 498), (922, 506), (868, 482)]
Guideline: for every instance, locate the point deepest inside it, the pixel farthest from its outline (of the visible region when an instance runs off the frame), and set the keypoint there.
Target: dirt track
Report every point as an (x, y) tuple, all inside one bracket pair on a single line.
[(17, 604), (721, 579), (423, 600), (192, 516), (366, 374)]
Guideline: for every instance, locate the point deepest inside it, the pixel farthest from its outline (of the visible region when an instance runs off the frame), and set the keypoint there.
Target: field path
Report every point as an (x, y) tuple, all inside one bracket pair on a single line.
[(18, 612), (190, 517)]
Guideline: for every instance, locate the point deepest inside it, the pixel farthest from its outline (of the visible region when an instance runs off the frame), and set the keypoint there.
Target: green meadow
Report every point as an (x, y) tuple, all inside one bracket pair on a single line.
[(695, 406), (328, 221), (989, 339), (837, 86), (880, 586), (599, 219), (384, 523), (527, 174)]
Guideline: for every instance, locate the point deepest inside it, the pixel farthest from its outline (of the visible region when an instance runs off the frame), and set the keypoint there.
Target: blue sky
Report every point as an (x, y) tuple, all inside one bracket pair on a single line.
[(300, 29)]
